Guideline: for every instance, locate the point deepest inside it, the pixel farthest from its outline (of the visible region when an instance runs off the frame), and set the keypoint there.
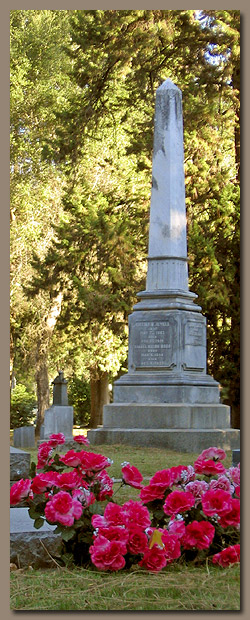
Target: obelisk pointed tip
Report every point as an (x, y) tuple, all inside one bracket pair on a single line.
[(168, 85)]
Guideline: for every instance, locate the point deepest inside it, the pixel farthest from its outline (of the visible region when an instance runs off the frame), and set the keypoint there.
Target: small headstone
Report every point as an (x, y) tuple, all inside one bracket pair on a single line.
[(31, 547), (24, 437), (19, 464), (60, 396)]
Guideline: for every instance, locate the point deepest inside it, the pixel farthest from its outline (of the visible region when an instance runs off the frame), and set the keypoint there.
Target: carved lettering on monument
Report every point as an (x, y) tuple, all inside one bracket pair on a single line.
[(152, 344)]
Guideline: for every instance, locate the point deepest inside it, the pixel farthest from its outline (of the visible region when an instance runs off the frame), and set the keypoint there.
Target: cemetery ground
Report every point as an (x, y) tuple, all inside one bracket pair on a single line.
[(177, 587)]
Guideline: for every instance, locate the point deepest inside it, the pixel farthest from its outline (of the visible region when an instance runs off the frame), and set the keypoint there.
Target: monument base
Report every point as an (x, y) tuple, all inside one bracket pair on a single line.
[(181, 440)]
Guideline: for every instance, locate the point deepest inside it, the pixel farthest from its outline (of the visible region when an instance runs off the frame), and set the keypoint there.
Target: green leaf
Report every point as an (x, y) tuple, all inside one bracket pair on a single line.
[(33, 513), (38, 523), (68, 533)]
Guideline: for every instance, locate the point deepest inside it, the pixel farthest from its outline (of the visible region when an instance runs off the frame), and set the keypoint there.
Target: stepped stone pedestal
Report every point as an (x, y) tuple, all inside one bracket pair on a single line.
[(167, 398)]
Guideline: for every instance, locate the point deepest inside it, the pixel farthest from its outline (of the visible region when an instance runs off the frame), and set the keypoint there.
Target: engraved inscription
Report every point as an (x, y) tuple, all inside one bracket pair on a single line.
[(194, 358), (152, 346), (195, 334)]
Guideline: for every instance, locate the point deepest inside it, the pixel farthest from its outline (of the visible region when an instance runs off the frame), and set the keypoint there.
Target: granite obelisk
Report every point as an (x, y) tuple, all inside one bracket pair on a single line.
[(167, 398)]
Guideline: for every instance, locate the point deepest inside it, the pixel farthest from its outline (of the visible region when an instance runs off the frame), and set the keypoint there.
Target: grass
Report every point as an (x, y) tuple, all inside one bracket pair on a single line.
[(177, 587)]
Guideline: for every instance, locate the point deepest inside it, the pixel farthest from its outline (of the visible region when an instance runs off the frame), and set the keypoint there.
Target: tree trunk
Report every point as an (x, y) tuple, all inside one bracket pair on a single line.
[(42, 386), (99, 391)]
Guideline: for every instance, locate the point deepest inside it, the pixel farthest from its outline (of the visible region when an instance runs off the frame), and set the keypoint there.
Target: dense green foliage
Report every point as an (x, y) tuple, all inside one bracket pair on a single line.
[(79, 398), (82, 108), (21, 406)]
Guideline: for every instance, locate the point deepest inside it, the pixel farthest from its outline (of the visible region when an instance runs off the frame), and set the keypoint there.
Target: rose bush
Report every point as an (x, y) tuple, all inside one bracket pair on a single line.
[(190, 512)]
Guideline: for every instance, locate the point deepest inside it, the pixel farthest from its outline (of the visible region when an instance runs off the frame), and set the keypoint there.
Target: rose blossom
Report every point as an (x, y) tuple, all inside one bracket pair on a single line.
[(162, 478), (136, 514), (232, 517), (182, 473), (42, 482), (172, 546), (154, 559), (222, 482), (177, 527), (132, 476), (234, 474), (71, 458), (114, 514), (98, 521), (197, 488), (70, 480), (56, 439), (198, 534), (237, 491), (45, 451), (137, 541), (19, 491), (216, 503), (209, 467), (227, 556), (106, 485), (91, 462), (213, 453), (117, 533), (84, 496), (106, 554), (62, 508), (178, 501), (81, 439), (151, 492)]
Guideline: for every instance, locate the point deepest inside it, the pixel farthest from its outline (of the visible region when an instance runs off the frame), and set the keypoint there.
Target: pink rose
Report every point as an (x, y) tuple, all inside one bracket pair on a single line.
[(208, 468), (85, 496), (19, 491), (91, 462), (71, 458), (216, 503), (56, 439), (227, 556), (106, 485), (62, 508), (222, 482), (182, 473), (177, 527), (172, 546), (98, 521), (197, 488), (138, 540), (151, 492), (114, 514), (233, 516), (199, 534), (117, 533), (162, 479), (81, 439), (154, 559), (132, 476), (106, 554), (178, 502), (69, 480), (237, 491), (45, 452), (234, 474), (213, 453), (42, 482), (136, 514)]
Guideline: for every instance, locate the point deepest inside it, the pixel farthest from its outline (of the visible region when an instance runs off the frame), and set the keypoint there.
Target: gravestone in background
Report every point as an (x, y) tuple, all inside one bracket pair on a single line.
[(60, 416), (167, 398), (24, 437)]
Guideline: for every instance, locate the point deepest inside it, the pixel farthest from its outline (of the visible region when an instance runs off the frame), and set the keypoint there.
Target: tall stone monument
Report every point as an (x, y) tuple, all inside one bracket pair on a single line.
[(167, 398)]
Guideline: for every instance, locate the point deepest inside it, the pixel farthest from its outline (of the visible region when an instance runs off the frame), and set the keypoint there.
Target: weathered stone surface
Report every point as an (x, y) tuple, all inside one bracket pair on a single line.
[(19, 464), (176, 416), (180, 440), (24, 437), (235, 457), (58, 419), (31, 547)]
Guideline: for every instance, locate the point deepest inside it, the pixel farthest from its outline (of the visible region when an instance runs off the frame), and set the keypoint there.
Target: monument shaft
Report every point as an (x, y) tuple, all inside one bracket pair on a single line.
[(167, 398)]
